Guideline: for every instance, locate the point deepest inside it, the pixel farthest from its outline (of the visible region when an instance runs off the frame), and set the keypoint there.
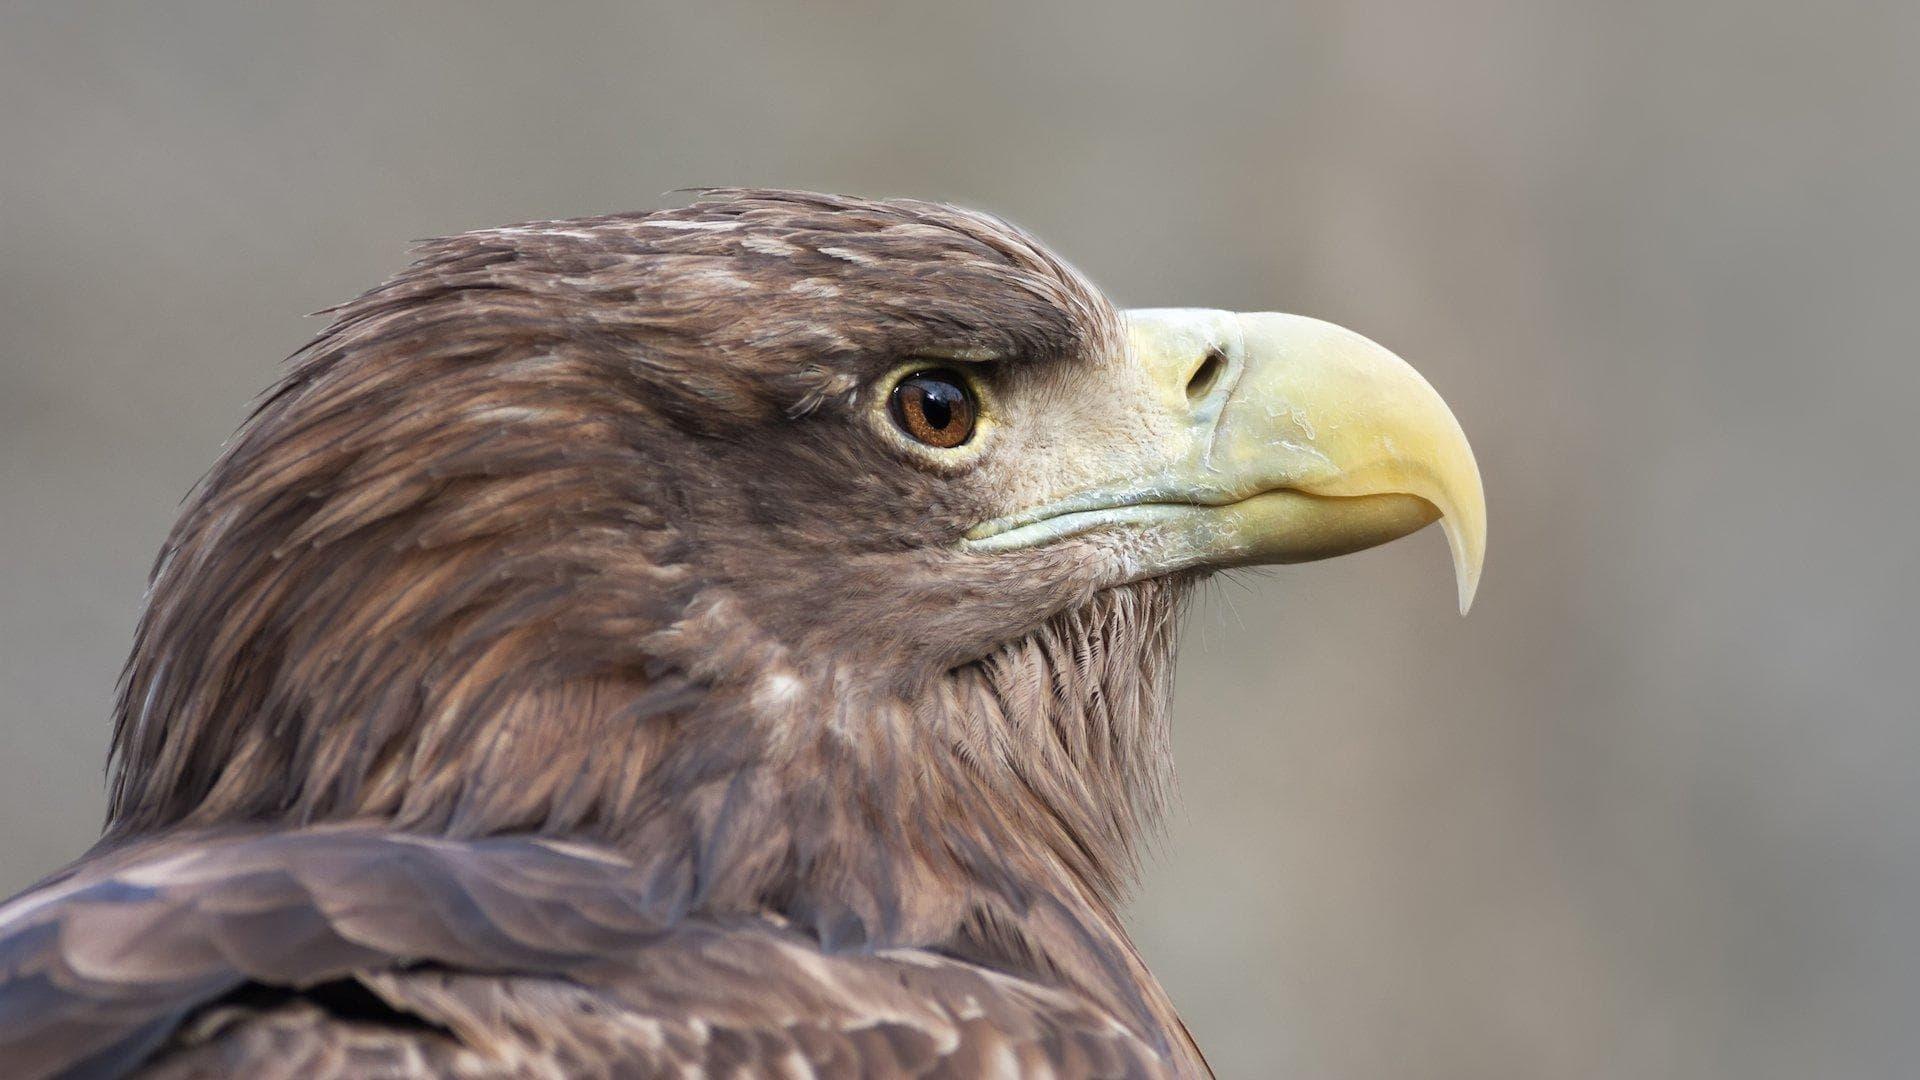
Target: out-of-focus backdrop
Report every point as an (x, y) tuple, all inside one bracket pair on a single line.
[(1649, 812)]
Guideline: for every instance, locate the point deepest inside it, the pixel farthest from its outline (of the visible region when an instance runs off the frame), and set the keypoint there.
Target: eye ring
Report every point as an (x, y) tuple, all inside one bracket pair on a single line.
[(934, 406)]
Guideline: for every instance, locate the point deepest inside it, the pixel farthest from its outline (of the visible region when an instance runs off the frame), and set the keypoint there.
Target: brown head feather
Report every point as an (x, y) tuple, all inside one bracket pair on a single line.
[(576, 527)]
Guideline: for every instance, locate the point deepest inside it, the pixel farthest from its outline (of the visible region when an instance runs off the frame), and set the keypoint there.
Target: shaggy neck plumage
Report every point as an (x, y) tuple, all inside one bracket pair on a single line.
[(994, 815), (1047, 756)]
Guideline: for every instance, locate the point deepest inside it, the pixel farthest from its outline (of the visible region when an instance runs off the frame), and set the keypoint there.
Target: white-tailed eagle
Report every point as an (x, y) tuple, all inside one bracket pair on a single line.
[(732, 640)]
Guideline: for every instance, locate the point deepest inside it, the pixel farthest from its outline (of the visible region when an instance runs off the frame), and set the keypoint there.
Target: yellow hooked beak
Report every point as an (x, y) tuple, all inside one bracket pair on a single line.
[(1277, 439)]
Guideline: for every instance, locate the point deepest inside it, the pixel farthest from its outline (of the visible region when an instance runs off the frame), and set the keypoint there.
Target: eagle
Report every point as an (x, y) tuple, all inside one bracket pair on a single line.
[(729, 640)]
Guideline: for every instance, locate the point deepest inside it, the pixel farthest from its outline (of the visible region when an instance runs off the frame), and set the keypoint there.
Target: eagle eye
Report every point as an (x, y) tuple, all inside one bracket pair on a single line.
[(935, 407)]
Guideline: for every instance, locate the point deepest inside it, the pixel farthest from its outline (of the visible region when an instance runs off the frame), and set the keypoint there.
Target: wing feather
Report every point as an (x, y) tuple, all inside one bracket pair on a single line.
[(336, 951)]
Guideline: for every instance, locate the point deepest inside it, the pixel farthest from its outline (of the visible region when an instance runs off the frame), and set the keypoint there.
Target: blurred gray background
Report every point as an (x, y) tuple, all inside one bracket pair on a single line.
[(1649, 812)]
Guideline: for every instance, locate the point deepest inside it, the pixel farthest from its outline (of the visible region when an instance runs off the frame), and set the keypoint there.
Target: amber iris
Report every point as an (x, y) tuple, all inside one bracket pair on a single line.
[(934, 407)]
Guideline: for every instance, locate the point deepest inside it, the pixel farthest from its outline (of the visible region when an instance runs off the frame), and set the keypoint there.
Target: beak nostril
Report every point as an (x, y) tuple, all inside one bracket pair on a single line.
[(1202, 381)]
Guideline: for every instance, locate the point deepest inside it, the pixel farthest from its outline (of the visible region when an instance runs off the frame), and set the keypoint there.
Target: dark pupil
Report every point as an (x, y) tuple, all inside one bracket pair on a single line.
[(937, 402)]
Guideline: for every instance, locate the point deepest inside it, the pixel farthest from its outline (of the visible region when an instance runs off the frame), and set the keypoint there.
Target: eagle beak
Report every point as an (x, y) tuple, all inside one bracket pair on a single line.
[(1275, 439), (1324, 442)]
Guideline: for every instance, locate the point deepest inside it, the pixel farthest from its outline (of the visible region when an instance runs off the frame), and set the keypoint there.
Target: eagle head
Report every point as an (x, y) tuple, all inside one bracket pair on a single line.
[(822, 554)]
